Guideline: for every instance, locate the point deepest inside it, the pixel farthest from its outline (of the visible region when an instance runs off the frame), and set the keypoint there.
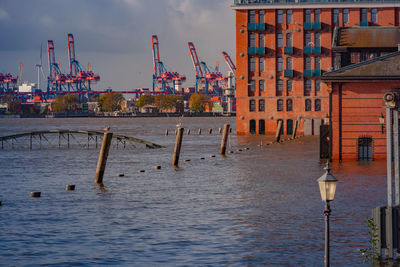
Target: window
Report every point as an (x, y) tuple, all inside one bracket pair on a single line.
[(252, 105), (261, 16), (317, 85), (307, 87), (261, 124), (336, 16), (261, 86), (279, 105), (317, 39), (317, 105), (307, 16), (279, 17), (261, 64), (308, 105), (252, 126), (307, 39), (317, 61), (261, 40), (289, 85), (307, 63), (279, 64), (374, 15), (252, 39), (261, 105), (279, 37), (279, 86), (252, 86), (289, 63), (288, 16), (289, 105), (289, 39), (345, 15), (252, 16), (317, 15), (364, 15), (252, 64), (365, 148), (334, 61)]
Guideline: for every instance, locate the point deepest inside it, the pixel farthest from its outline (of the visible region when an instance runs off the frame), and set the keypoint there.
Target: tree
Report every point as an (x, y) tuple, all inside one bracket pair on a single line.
[(167, 101), (145, 100), (110, 102), (65, 103), (198, 102)]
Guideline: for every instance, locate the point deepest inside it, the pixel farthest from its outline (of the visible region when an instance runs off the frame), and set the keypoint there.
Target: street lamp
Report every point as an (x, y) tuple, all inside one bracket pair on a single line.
[(382, 121), (327, 188), (327, 119)]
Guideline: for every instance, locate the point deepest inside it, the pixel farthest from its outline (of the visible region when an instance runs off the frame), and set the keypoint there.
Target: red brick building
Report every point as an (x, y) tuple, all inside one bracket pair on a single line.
[(357, 104), (282, 49)]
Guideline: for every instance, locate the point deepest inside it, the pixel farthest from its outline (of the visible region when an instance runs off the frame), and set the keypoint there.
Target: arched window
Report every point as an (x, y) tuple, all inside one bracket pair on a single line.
[(317, 105), (279, 105), (308, 105), (289, 105), (252, 126)]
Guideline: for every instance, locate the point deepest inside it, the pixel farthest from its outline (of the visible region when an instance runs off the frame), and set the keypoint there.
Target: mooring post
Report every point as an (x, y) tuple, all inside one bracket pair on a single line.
[(40, 140), (220, 130), (166, 132), (199, 131), (30, 144), (177, 148), (101, 163), (68, 140), (296, 124), (96, 141), (59, 140), (88, 141), (278, 131), (224, 139), (188, 132), (210, 131)]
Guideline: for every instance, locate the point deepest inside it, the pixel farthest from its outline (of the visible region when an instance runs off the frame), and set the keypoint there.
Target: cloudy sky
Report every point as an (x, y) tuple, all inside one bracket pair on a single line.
[(115, 36)]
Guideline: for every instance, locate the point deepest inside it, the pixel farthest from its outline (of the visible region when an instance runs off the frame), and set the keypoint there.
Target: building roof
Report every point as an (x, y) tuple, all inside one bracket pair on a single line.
[(366, 37), (380, 68), (348, 3)]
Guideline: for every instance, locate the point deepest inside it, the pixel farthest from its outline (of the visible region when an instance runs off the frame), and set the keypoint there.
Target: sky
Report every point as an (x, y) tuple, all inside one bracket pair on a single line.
[(115, 36)]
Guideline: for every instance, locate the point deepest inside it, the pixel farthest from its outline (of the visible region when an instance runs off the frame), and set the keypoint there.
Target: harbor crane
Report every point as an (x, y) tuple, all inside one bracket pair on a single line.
[(204, 76), (56, 79), (161, 76), (230, 63)]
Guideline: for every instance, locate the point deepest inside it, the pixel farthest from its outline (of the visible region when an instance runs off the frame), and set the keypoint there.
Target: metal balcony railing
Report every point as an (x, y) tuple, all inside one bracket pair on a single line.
[(288, 73), (288, 50), (256, 26), (312, 50)]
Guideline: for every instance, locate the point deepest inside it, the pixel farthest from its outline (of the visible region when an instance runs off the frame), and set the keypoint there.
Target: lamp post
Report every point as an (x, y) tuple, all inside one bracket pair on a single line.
[(327, 188), (382, 122)]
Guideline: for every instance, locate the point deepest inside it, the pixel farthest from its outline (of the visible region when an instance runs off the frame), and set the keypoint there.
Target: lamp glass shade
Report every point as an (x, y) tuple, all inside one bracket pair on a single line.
[(327, 190)]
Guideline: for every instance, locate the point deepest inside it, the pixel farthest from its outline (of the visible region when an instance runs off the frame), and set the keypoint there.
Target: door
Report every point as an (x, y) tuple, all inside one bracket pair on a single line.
[(289, 127), (252, 126), (261, 126)]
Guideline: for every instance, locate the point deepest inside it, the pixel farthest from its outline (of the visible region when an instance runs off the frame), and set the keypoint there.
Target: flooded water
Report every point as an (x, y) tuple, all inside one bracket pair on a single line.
[(255, 207)]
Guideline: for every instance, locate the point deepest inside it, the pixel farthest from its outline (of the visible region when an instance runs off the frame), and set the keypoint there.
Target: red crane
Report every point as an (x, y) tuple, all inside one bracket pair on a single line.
[(56, 78), (204, 74), (161, 76), (230, 63)]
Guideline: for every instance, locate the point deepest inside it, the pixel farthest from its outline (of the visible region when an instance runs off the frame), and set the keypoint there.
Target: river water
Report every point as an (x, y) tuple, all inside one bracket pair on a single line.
[(259, 206)]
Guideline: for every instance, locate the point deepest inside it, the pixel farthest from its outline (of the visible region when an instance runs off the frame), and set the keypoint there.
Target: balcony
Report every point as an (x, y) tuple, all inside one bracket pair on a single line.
[(288, 73), (364, 23), (288, 50), (312, 73), (256, 26), (312, 26), (255, 51), (312, 50)]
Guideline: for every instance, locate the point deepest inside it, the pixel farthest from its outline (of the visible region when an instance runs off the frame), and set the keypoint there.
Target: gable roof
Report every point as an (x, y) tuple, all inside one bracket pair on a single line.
[(366, 37), (380, 68)]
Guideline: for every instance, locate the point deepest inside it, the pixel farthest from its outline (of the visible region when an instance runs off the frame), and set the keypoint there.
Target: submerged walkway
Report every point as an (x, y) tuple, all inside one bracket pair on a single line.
[(66, 134)]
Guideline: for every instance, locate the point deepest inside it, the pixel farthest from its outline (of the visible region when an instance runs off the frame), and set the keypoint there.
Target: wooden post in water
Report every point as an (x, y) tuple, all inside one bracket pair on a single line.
[(199, 131), (177, 148), (88, 141), (96, 141), (59, 139), (166, 132), (30, 144), (224, 139), (68, 140), (219, 130), (101, 163), (296, 124), (278, 131), (210, 131)]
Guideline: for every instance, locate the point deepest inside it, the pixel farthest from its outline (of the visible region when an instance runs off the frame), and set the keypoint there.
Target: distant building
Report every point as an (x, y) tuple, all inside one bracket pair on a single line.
[(27, 88), (148, 109), (284, 47), (356, 93)]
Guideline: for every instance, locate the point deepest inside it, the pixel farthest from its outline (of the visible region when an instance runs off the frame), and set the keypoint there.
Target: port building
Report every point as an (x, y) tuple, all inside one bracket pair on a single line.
[(284, 47)]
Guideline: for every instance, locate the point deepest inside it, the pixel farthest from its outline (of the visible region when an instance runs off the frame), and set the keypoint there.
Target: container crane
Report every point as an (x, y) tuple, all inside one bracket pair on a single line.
[(78, 76), (161, 76), (230, 63), (7, 82), (204, 75), (56, 79)]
